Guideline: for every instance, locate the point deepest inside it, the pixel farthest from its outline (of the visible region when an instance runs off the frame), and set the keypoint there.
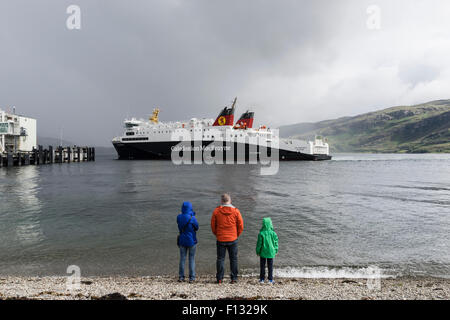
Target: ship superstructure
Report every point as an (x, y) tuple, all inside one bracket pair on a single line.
[(153, 139)]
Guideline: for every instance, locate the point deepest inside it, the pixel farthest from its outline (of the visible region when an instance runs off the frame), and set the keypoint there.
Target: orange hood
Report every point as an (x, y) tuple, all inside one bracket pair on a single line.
[(227, 223)]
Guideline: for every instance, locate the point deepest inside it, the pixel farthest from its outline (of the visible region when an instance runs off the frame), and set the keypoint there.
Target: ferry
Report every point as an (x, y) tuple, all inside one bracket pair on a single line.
[(155, 140)]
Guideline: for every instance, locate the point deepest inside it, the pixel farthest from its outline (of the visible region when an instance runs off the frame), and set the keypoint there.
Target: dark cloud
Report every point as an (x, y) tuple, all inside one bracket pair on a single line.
[(291, 61)]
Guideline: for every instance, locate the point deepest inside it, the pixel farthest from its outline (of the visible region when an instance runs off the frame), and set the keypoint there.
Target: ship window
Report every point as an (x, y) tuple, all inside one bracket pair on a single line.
[(134, 139)]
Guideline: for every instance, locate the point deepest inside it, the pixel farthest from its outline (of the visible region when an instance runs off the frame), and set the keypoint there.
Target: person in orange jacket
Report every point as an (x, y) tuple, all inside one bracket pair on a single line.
[(227, 225)]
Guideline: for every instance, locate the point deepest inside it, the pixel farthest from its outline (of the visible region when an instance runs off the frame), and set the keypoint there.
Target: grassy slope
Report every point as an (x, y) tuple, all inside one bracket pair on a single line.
[(420, 128)]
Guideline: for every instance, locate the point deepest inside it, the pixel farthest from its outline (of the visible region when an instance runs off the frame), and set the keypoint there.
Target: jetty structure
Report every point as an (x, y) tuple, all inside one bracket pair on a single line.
[(18, 144)]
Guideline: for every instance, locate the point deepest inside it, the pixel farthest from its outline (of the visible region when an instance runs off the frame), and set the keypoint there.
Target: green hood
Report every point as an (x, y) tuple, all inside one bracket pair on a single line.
[(267, 224), (267, 244)]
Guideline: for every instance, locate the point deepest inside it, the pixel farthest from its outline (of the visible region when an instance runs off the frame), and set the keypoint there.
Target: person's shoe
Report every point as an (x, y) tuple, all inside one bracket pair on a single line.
[(219, 281), (191, 280), (261, 281), (180, 280), (233, 281), (271, 282)]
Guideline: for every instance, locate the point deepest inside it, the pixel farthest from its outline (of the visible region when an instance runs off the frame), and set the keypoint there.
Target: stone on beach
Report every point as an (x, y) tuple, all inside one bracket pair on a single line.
[(205, 288)]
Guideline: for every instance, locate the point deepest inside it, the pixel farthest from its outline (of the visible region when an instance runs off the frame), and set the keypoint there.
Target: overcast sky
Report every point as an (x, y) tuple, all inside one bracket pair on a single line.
[(289, 61)]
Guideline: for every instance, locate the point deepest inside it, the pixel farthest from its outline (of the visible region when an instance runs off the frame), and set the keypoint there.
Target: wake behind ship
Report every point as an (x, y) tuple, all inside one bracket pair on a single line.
[(155, 140)]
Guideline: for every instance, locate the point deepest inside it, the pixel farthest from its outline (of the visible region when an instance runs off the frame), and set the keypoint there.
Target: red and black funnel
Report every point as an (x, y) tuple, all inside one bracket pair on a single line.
[(226, 116), (246, 120)]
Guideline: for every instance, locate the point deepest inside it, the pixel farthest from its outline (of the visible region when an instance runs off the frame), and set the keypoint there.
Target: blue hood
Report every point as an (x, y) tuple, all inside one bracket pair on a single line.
[(187, 226), (186, 208)]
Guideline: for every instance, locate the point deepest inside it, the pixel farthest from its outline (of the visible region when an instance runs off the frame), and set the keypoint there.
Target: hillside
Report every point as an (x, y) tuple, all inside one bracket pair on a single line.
[(413, 129)]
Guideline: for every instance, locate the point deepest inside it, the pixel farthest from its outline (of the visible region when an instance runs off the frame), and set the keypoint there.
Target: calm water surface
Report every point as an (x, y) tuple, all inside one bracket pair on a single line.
[(333, 218)]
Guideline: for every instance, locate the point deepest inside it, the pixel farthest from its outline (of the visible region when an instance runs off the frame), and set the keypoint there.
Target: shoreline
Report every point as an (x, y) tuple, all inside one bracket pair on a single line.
[(205, 288)]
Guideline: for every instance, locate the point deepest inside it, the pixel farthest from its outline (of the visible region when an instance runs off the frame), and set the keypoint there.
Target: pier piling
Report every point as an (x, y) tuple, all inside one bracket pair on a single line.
[(51, 155), (60, 155), (41, 156), (10, 159)]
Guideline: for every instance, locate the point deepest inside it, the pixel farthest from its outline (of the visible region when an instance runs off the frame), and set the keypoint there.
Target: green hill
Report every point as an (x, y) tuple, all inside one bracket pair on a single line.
[(413, 129)]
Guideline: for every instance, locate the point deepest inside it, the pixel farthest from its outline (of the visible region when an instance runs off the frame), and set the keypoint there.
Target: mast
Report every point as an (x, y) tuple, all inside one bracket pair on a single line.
[(154, 117), (233, 106)]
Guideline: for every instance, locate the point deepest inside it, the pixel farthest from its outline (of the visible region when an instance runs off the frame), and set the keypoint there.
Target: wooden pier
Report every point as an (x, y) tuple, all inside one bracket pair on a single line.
[(51, 155)]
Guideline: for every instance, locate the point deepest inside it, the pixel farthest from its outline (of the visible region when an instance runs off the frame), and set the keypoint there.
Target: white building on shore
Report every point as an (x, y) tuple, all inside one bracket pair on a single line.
[(17, 133)]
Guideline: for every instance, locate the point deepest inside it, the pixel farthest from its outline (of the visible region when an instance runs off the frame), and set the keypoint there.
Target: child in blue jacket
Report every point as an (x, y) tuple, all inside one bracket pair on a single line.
[(187, 241)]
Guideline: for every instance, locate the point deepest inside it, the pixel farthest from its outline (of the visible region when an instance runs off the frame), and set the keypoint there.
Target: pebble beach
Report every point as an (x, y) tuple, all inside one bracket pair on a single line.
[(205, 288)]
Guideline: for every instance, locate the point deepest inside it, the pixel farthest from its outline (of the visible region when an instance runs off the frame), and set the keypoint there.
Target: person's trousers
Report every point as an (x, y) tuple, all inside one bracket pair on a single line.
[(232, 248), (262, 265), (183, 252)]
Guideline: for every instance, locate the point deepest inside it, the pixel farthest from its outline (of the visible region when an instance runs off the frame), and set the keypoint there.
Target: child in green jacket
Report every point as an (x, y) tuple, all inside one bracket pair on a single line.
[(266, 248)]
